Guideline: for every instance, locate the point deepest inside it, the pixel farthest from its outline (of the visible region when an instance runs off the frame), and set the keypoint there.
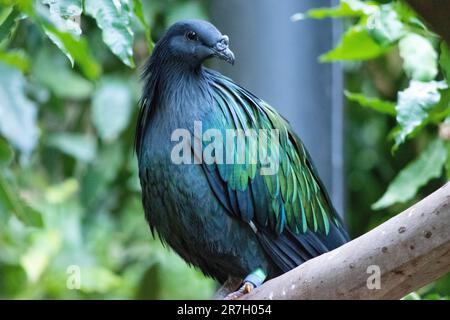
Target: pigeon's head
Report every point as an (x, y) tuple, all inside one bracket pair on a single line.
[(194, 41)]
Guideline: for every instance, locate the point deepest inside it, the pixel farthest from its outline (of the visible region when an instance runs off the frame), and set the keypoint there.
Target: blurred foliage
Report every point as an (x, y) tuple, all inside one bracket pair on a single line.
[(397, 69), (69, 192)]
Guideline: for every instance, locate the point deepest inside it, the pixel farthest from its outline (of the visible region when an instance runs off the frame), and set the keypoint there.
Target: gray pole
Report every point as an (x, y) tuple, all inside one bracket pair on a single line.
[(277, 60)]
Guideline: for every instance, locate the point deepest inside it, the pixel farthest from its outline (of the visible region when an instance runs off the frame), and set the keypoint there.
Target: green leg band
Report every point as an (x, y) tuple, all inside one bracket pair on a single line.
[(256, 278)]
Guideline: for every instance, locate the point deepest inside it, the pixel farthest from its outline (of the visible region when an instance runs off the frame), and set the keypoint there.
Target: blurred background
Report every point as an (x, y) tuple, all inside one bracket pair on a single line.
[(364, 84)]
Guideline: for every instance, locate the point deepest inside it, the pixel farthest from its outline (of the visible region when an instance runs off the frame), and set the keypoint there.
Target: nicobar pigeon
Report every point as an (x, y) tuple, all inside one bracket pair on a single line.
[(227, 219)]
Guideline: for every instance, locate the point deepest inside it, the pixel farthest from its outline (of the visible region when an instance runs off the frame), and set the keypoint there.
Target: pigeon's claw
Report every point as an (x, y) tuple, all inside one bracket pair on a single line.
[(247, 287)]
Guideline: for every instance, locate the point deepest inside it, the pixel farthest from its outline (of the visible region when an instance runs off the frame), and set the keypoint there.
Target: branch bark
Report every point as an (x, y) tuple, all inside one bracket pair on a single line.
[(411, 250)]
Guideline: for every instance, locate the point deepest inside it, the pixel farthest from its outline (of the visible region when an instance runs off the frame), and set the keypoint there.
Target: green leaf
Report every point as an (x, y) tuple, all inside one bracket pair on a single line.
[(26, 6), (65, 8), (76, 50), (415, 175), (419, 57), (414, 104), (356, 44), (79, 146), (62, 192), (52, 70), (139, 13), (17, 112), (16, 58), (53, 36), (63, 14), (112, 108), (441, 111), (412, 296), (102, 171), (346, 8), (379, 105), (6, 153), (59, 18), (444, 61), (113, 17), (99, 279), (11, 200), (7, 25), (385, 26), (44, 246)]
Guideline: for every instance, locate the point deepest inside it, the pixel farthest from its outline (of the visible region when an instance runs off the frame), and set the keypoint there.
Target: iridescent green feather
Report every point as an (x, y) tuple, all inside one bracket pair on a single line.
[(298, 200)]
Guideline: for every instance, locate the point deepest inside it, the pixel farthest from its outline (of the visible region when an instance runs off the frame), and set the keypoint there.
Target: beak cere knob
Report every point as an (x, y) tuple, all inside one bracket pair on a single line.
[(222, 50), (225, 40), (223, 43)]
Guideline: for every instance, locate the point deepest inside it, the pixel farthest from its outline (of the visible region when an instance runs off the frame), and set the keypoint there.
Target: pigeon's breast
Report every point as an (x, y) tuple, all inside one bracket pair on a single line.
[(177, 198), (180, 205)]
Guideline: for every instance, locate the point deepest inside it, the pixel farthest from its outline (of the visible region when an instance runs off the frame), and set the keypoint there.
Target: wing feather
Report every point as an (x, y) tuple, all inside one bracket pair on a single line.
[(291, 208)]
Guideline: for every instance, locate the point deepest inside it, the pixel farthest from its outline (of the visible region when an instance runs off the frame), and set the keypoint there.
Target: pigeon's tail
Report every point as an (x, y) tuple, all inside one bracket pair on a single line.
[(289, 250)]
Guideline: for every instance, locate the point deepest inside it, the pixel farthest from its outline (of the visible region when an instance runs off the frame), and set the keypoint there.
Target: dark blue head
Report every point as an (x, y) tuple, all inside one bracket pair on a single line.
[(194, 41)]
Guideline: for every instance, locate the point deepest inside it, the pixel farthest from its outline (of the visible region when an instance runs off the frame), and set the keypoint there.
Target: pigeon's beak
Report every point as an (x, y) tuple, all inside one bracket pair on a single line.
[(222, 51)]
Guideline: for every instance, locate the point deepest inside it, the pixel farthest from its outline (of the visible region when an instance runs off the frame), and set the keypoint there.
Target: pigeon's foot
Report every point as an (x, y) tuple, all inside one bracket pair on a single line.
[(247, 287), (253, 280)]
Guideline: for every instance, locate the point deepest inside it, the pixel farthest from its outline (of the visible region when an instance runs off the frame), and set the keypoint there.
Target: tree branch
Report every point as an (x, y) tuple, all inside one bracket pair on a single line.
[(410, 250)]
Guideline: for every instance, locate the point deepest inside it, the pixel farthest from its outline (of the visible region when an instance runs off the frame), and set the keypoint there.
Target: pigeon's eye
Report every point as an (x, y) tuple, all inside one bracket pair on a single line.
[(191, 35)]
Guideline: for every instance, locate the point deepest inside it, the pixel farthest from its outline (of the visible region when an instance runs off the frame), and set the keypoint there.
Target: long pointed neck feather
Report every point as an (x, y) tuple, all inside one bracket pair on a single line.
[(163, 78)]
